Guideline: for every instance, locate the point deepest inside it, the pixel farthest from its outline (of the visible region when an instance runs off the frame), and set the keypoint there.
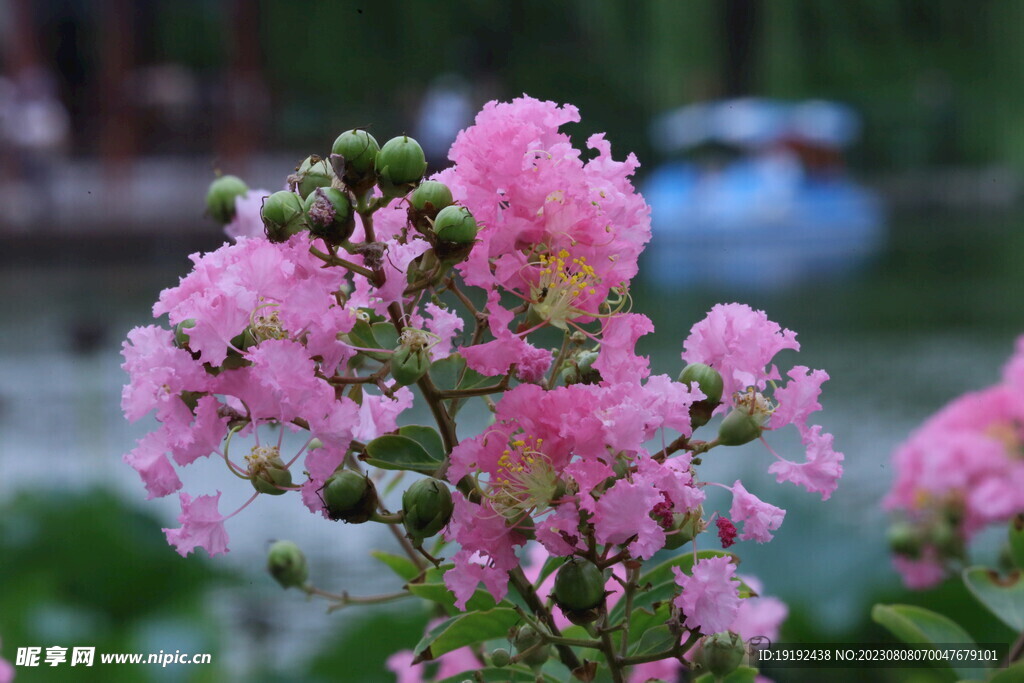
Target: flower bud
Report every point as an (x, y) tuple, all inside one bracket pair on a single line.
[(530, 647), (685, 527), (707, 378), (220, 198), (287, 564), (905, 539), (283, 216), (181, 337), (430, 197), (329, 214), (740, 426), (580, 370), (579, 590), (409, 364), (269, 475), (349, 496), (400, 162), (455, 224), (358, 150), (1017, 541), (312, 173), (709, 381), (500, 658), (428, 507), (721, 653)]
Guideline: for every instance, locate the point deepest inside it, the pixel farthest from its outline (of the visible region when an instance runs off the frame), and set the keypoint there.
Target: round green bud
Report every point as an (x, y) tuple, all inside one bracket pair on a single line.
[(904, 539), (181, 337), (283, 216), (707, 378), (685, 527), (270, 476), (312, 173), (359, 150), (350, 497), (501, 658), (220, 198), (287, 564), (430, 197), (740, 427), (401, 161), (455, 224), (428, 507), (579, 585), (409, 365), (580, 370), (329, 214), (722, 653), (530, 647)]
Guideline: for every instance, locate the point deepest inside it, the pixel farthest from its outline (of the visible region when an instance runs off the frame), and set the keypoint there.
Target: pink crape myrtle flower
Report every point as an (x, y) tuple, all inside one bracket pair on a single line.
[(201, 526), (710, 597), (247, 223), (741, 343), (759, 518)]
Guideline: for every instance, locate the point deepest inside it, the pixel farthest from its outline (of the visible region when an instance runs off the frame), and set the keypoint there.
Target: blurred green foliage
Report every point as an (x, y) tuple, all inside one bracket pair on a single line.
[(938, 81), (85, 569)]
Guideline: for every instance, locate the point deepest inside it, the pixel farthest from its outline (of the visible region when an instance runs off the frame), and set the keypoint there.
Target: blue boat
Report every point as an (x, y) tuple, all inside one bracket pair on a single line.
[(758, 196)]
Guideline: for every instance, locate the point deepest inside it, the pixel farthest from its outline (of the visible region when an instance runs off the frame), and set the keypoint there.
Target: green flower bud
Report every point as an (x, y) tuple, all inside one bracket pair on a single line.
[(312, 173), (268, 474), (400, 162), (745, 422), (1017, 540), (359, 151), (530, 647), (283, 216), (685, 528), (350, 497), (455, 224), (722, 653), (707, 379), (580, 370), (500, 658), (905, 539), (710, 384), (408, 364), (287, 564), (579, 587), (329, 214), (428, 507), (431, 196), (945, 537), (220, 198), (181, 337)]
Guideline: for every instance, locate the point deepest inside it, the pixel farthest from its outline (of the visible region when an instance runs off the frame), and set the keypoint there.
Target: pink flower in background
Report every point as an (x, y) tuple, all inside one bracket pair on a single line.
[(247, 222), (6, 671), (710, 597), (920, 573)]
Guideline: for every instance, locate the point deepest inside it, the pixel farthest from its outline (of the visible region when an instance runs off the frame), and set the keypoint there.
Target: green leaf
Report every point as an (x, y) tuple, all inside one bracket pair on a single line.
[(743, 674), (917, 625), (446, 372), (657, 639), (403, 566), (385, 334), (1002, 595), (396, 452), (465, 629), (644, 619), (426, 437), (1013, 674)]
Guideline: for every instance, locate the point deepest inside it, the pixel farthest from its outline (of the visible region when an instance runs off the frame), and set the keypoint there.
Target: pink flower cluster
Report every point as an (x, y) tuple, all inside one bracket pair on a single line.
[(957, 473), (589, 453)]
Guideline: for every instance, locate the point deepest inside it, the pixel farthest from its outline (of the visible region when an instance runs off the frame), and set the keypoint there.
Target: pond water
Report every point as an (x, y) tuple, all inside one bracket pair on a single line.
[(935, 315)]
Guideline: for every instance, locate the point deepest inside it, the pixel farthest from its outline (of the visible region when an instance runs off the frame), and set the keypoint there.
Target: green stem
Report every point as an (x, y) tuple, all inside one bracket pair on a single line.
[(338, 261), (562, 353), (632, 576), (673, 652)]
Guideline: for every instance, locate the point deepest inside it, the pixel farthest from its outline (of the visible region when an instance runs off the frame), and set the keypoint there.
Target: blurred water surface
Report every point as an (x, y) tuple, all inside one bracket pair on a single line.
[(934, 316)]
